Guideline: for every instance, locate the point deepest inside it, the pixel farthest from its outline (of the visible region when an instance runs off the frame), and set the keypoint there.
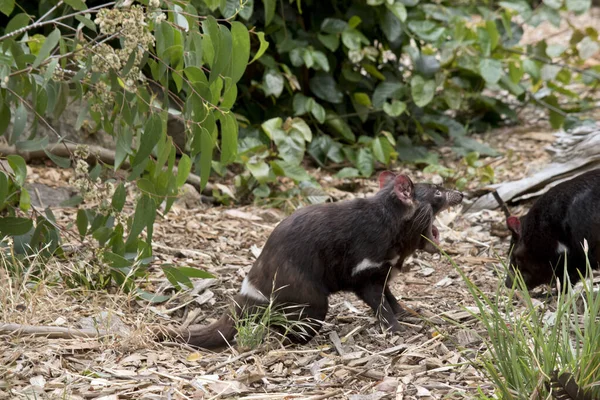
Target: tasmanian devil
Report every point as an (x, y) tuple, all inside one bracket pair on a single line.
[(343, 246), (556, 226)]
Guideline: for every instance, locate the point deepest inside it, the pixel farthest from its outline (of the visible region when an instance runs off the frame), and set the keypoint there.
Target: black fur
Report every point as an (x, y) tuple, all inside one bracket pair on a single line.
[(568, 213), (312, 254)]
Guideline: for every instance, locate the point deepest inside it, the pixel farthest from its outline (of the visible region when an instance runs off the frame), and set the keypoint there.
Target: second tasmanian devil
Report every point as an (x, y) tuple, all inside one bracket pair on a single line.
[(344, 246), (557, 225)]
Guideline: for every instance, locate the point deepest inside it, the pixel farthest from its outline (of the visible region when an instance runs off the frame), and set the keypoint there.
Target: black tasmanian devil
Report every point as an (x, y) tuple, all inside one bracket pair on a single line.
[(344, 246), (557, 225)]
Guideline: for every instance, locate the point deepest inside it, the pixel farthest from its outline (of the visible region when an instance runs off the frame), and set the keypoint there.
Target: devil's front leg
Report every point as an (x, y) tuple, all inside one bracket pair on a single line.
[(373, 293)]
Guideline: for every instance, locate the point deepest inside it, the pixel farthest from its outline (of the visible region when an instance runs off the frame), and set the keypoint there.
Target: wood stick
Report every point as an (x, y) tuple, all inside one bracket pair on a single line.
[(54, 332)]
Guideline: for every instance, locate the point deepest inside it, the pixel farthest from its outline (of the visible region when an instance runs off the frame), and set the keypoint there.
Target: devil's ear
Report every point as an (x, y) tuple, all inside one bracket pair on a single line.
[(385, 177), (403, 187), (514, 225)]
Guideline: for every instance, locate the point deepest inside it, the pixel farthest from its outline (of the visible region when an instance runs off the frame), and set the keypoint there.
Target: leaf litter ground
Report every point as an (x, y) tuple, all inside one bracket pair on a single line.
[(350, 358)]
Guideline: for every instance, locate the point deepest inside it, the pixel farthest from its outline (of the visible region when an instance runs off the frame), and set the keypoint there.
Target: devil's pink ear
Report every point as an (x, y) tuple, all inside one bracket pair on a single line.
[(403, 187), (385, 177), (514, 224)]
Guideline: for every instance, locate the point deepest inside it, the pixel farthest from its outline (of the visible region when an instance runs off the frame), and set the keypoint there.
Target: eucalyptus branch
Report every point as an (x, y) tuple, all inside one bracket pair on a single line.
[(40, 24), (558, 64)]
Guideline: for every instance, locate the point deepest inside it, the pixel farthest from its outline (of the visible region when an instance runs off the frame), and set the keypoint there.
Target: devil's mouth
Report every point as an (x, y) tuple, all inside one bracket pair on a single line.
[(431, 234)]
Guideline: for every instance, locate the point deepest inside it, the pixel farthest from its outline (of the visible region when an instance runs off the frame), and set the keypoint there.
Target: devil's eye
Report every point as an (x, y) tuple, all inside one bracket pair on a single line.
[(438, 193)]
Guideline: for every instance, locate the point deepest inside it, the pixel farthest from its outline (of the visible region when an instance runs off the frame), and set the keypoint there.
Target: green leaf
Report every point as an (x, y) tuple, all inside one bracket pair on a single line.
[(386, 90), (422, 91), (207, 146), (3, 188), (260, 170), (391, 26), (76, 4), (240, 50), (331, 41), (303, 128), (14, 226), (143, 217), (7, 7), (557, 117), (382, 149), (353, 39), (340, 126), (87, 22), (347, 172), (82, 222), (493, 34), (578, 6), (398, 9), (273, 83), (20, 122), (229, 138), (49, 44), (151, 297), (63, 162), (17, 22), (490, 70), (183, 170), (587, 48), (555, 4), (333, 25), (270, 6), (362, 99), (17, 163), (264, 45), (118, 200), (395, 109), (549, 72), (24, 200), (325, 87), (150, 136), (321, 60), (293, 171), (317, 111), (33, 145), (195, 273), (364, 162), (452, 97), (555, 50), (176, 277)]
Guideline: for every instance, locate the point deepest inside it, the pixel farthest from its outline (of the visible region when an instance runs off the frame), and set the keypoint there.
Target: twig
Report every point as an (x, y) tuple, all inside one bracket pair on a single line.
[(97, 153), (501, 203), (55, 332), (231, 360), (326, 395)]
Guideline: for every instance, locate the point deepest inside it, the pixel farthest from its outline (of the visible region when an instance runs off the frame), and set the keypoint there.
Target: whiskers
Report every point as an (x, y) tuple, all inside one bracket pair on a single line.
[(422, 218)]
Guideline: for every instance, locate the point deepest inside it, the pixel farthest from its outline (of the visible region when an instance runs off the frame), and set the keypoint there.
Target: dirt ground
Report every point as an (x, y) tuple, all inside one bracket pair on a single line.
[(350, 359)]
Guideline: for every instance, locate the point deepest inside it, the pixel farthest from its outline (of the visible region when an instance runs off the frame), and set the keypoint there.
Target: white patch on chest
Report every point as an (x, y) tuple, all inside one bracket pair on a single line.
[(365, 265), (250, 291), (561, 248)]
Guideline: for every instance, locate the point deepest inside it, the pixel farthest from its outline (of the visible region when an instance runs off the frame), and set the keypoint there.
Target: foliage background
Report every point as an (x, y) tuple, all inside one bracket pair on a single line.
[(262, 91)]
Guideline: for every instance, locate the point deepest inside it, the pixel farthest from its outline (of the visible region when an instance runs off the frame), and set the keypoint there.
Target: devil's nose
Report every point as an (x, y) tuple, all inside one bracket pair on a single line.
[(461, 195)]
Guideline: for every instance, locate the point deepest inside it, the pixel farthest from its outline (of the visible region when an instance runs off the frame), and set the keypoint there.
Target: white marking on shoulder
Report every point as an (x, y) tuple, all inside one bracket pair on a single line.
[(249, 290), (365, 265), (561, 248)]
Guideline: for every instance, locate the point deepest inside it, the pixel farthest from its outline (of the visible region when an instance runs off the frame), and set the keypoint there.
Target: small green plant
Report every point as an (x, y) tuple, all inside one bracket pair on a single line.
[(256, 324), (525, 346)]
